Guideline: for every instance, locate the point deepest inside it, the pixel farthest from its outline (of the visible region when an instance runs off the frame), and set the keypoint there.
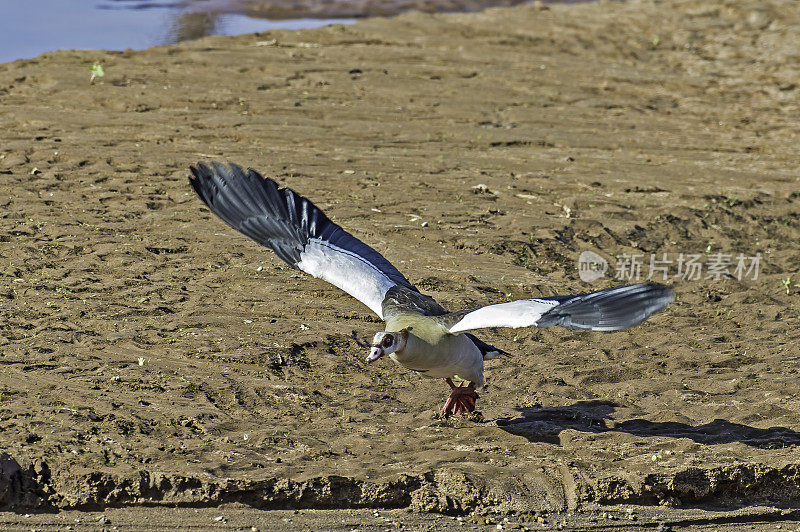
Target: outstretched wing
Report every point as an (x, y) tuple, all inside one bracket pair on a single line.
[(297, 231), (607, 310)]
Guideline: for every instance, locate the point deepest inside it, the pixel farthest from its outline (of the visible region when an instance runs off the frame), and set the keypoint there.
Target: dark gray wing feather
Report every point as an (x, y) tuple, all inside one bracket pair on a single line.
[(400, 300), (608, 310)]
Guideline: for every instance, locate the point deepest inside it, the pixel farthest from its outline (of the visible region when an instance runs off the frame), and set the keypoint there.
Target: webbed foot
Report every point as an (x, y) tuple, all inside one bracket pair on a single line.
[(461, 401)]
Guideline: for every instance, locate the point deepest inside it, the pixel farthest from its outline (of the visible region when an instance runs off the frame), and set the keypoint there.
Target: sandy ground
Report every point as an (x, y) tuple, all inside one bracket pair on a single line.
[(152, 356), (246, 518), (280, 9)]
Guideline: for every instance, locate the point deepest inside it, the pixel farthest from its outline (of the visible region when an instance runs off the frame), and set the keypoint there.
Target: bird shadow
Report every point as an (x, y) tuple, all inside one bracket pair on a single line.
[(539, 424)]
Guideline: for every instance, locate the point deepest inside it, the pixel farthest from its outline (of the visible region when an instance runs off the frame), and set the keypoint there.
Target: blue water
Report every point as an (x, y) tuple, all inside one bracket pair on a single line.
[(31, 27)]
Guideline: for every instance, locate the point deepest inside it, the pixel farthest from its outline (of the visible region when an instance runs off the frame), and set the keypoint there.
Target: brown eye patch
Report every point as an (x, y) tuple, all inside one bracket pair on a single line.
[(387, 341)]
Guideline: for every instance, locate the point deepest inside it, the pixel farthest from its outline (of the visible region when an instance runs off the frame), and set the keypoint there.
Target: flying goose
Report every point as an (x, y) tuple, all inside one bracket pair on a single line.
[(420, 334)]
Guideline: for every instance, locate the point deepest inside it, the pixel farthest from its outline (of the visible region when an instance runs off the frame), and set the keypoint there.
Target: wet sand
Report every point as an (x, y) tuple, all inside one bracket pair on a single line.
[(152, 356), (281, 9)]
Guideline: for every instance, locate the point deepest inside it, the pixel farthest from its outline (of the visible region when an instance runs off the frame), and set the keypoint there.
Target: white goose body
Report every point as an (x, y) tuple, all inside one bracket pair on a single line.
[(437, 353)]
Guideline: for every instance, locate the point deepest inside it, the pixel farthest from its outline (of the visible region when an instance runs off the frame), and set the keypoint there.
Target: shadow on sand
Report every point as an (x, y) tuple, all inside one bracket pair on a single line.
[(545, 425)]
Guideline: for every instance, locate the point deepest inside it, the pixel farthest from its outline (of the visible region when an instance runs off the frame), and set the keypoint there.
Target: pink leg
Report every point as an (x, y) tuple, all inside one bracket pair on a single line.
[(462, 399)]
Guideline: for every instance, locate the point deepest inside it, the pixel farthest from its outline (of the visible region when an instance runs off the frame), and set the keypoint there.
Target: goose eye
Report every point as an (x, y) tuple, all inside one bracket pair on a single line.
[(388, 340)]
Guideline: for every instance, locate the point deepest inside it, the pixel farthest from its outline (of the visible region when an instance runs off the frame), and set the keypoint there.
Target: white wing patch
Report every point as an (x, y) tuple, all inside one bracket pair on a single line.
[(346, 270), (520, 313)]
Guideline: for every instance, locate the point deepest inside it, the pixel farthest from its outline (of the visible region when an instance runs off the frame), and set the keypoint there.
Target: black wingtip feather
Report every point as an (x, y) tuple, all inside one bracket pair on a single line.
[(609, 310), (255, 206)]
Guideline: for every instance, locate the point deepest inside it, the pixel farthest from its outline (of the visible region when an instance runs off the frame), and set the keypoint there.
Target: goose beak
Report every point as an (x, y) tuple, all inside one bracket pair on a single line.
[(374, 354)]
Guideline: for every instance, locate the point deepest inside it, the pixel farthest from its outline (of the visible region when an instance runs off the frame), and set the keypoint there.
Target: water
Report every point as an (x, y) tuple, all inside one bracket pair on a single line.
[(31, 27)]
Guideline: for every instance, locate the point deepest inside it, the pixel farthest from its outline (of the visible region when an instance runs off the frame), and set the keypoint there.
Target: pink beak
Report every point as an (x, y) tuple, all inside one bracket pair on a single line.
[(374, 354)]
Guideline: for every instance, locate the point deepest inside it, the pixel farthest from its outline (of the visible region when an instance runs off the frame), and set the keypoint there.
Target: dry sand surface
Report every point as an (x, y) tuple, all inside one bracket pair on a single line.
[(151, 356)]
